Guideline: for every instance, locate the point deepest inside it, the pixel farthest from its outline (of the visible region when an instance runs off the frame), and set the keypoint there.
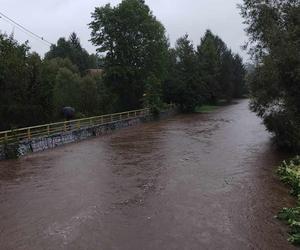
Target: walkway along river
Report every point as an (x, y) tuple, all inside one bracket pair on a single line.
[(201, 181)]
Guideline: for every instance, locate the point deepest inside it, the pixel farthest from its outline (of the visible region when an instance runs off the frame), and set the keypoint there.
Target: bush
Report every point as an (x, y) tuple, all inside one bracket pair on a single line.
[(289, 172)]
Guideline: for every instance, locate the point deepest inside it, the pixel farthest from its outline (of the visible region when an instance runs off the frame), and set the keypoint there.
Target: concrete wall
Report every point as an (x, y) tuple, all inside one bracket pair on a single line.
[(2, 155)]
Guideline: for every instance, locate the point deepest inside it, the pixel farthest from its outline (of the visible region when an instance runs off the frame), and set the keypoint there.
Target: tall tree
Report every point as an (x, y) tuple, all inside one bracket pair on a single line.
[(187, 85), (89, 97), (72, 50), (239, 77), (21, 86), (135, 46), (66, 91), (222, 71), (274, 31), (169, 85), (209, 65)]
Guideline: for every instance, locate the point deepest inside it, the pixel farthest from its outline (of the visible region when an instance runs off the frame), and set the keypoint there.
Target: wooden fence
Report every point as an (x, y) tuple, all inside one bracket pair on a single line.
[(61, 127)]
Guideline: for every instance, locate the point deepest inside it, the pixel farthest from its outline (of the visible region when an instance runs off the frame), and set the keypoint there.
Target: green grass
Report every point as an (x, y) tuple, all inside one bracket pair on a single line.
[(206, 109)]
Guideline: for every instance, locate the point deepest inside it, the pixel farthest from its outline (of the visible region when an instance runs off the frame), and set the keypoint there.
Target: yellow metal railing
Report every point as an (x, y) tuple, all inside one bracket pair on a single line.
[(61, 127)]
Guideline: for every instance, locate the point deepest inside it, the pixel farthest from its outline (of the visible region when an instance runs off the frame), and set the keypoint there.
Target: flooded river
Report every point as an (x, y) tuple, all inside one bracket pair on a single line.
[(200, 181)]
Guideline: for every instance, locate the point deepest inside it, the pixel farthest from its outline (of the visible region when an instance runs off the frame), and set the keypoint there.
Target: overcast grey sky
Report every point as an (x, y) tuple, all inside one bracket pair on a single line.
[(58, 18)]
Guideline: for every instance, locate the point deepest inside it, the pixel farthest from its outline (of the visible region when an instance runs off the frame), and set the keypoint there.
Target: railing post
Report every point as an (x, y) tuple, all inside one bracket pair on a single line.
[(65, 126), (102, 120), (6, 136), (78, 124), (29, 133), (48, 130), (134, 114)]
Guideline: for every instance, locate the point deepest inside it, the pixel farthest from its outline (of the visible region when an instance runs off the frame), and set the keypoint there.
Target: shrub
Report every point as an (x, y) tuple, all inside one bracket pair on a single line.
[(289, 172)]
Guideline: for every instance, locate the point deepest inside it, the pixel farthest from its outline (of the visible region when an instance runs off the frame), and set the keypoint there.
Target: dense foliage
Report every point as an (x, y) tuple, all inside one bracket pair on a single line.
[(274, 31), (207, 74), (72, 50), (136, 49), (21, 92), (137, 68), (34, 91), (289, 172)]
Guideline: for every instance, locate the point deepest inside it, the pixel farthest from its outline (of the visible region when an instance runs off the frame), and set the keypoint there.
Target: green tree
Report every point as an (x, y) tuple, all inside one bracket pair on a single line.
[(50, 69), (21, 86), (169, 85), (274, 31), (239, 77), (89, 96), (66, 92), (72, 50), (226, 76), (187, 84), (107, 101), (135, 46), (35, 90), (153, 94), (209, 66), (207, 75), (222, 71)]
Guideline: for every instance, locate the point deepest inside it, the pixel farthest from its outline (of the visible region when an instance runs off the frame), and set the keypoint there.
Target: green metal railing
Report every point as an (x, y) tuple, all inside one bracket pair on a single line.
[(61, 127)]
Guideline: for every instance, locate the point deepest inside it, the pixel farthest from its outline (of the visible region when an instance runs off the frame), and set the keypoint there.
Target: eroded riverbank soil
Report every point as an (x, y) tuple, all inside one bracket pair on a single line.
[(201, 181)]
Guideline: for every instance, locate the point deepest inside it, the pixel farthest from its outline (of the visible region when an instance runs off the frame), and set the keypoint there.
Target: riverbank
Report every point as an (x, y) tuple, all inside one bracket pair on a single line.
[(27, 140), (289, 172), (206, 109)]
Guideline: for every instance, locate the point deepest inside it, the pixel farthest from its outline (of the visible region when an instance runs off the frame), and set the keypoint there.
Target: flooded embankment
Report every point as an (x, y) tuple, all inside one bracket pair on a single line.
[(200, 181)]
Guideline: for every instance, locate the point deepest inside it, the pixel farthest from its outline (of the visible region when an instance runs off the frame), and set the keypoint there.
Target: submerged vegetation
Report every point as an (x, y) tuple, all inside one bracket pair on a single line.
[(289, 173)]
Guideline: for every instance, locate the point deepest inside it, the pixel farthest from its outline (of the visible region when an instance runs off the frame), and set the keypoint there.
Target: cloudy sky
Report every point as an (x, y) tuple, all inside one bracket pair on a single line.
[(52, 19)]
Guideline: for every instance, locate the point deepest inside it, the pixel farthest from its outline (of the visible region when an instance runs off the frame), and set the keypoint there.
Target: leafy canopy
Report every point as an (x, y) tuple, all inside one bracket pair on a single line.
[(135, 46)]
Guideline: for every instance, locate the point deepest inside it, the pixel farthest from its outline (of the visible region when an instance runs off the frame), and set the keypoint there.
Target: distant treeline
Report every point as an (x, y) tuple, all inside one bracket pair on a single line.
[(138, 69)]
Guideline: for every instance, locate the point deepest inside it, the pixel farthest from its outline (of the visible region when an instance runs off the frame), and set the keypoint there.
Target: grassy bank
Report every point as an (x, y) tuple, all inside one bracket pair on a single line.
[(206, 109), (289, 172)]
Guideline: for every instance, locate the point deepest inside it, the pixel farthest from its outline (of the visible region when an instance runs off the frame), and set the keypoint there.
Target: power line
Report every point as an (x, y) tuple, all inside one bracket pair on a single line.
[(14, 26), (21, 27)]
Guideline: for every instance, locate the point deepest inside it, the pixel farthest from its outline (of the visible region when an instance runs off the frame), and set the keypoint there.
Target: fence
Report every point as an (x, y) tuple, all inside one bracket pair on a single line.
[(61, 127)]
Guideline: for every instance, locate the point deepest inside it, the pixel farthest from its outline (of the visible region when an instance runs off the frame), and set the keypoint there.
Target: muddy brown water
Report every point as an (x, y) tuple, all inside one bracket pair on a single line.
[(201, 181)]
